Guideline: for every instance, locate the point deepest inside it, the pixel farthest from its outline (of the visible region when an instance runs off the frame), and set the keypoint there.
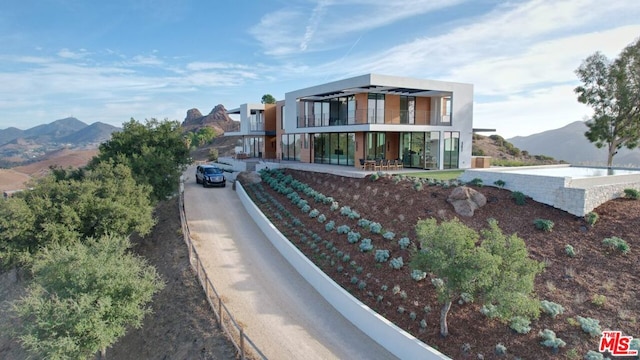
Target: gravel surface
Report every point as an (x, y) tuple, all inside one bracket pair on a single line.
[(282, 314)]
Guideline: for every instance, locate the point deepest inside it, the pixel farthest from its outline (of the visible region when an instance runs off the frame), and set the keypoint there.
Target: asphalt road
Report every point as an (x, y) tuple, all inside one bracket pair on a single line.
[(282, 314)]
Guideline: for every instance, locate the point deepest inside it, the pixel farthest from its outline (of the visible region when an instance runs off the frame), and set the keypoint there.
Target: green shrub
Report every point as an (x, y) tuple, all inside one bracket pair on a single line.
[(401, 310), (500, 349), (520, 324), (598, 300), (314, 213), (593, 355), (374, 177), (330, 225), (382, 255), (345, 210), (354, 280), (375, 227), (364, 223), (551, 308), (417, 185), (404, 243), (550, 340), (396, 263), (490, 311), (569, 250), (632, 194), (418, 275), (353, 237), (305, 209), (346, 258), (590, 326), (617, 243), (334, 206), (343, 229), (362, 284), (518, 197), (465, 298), (322, 218), (543, 224), (499, 183), (591, 218), (476, 182), (423, 324), (389, 235), (365, 245)]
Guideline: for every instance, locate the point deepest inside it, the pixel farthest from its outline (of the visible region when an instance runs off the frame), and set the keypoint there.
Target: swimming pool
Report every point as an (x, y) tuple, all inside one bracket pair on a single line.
[(573, 172), (577, 190)]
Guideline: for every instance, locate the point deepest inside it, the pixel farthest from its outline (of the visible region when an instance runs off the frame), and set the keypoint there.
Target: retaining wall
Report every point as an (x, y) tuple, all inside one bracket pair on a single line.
[(575, 196), (395, 340)]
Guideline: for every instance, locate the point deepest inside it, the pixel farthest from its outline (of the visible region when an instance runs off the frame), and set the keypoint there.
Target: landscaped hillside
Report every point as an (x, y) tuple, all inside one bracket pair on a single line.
[(589, 279), (504, 153)]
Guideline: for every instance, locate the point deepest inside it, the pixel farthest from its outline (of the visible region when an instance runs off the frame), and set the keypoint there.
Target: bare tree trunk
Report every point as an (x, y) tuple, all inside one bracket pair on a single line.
[(444, 330), (103, 354), (612, 152)]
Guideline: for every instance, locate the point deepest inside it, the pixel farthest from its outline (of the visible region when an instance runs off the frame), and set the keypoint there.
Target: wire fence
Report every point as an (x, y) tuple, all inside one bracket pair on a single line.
[(245, 347)]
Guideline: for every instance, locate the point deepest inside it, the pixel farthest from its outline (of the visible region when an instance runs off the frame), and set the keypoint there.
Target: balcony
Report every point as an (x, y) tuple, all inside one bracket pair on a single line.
[(371, 116)]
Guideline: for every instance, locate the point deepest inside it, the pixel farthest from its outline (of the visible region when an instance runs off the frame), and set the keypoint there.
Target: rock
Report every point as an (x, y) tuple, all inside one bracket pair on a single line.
[(466, 200)]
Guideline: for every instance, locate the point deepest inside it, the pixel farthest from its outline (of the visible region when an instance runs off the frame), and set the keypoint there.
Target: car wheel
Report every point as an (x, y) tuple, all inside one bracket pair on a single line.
[(204, 184)]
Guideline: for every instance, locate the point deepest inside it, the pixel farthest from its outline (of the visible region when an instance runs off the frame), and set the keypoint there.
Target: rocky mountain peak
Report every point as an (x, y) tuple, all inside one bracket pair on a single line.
[(217, 118)]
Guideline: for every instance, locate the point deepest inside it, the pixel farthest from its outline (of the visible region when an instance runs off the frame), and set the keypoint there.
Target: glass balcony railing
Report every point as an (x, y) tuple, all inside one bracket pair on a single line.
[(373, 116)]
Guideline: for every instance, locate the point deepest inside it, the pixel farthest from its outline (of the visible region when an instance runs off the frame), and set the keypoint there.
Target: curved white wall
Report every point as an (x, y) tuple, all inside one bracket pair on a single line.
[(395, 340)]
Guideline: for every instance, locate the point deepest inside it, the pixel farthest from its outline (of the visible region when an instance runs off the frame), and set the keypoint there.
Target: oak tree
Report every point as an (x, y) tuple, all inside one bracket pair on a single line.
[(612, 90)]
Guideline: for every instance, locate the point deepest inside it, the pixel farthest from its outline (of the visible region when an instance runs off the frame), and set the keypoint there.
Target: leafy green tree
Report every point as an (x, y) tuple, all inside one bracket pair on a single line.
[(512, 287), (69, 205), (612, 90), (155, 152), (268, 99), (497, 272), (201, 137), (83, 298), (452, 256)]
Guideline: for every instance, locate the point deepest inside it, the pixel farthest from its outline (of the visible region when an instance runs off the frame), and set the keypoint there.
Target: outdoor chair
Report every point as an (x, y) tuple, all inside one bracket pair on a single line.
[(362, 164), (377, 165), (384, 164), (398, 164)]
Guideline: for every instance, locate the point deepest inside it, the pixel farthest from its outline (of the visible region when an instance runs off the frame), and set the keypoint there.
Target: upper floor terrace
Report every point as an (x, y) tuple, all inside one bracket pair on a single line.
[(379, 103)]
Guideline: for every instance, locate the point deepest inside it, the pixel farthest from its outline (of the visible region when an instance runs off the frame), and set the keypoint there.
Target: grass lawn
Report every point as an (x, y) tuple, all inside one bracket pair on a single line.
[(438, 175)]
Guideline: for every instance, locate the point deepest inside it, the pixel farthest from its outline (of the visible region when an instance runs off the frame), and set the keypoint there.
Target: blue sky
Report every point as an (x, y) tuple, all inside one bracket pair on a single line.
[(113, 60)]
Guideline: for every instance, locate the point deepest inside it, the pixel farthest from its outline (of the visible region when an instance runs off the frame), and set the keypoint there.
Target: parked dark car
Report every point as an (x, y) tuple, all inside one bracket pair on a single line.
[(210, 175)]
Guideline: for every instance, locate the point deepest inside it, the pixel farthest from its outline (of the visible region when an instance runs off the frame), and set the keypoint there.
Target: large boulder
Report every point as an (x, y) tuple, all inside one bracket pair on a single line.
[(466, 200)]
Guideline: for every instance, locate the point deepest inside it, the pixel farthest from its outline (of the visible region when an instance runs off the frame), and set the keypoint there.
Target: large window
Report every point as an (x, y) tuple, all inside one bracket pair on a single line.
[(254, 146), (375, 108), (451, 149), (446, 110), (291, 146), (337, 111), (407, 109), (375, 146), (420, 149), (334, 148)]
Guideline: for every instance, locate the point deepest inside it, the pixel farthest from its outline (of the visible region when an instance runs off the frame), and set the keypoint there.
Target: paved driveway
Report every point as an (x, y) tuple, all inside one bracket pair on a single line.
[(284, 316)]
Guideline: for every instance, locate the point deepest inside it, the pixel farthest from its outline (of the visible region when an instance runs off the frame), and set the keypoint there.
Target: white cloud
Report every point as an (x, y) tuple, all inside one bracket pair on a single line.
[(290, 30)]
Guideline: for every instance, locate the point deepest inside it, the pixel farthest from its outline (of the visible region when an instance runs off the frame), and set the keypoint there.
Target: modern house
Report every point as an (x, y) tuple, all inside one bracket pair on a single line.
[(423, 124), (257, 129)]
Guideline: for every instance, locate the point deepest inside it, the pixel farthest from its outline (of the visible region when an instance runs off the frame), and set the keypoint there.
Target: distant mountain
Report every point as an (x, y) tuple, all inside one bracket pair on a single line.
[(56, 129), (68, 130), (95, 133), (568, 143), (23, 146)]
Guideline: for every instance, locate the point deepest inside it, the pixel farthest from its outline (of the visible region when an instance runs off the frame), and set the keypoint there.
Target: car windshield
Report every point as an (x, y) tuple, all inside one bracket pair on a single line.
[(212, 170)]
